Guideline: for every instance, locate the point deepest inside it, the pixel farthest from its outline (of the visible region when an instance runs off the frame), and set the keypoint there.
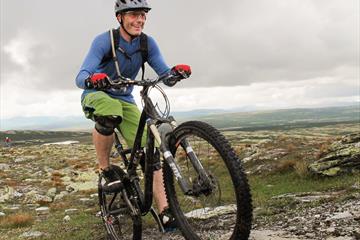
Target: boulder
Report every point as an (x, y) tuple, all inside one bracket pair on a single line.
[(343, 157)]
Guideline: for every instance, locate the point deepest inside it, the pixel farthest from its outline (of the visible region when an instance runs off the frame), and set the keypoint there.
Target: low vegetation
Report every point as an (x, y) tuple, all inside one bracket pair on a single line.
[(276, 162), (17, 220)]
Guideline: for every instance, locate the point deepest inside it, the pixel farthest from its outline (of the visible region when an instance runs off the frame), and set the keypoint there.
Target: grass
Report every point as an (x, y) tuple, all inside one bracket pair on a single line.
[(265, 187), (297, 164), (81, 226)]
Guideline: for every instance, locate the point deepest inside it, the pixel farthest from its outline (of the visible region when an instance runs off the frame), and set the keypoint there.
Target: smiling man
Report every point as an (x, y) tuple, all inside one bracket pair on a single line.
[(115, 108)]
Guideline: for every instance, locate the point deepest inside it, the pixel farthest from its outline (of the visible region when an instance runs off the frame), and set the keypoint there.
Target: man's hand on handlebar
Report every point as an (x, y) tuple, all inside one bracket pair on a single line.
[(177, 73), (97, 81), (181, 70), (101, 81)]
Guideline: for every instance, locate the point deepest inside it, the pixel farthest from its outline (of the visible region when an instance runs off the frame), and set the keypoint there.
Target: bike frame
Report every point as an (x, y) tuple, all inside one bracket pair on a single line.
[(152, 155)]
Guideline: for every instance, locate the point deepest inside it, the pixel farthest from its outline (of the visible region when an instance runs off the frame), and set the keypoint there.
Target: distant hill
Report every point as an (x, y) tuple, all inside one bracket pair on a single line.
[(286, 118), (46, 123), (20, 137), (218, 117)]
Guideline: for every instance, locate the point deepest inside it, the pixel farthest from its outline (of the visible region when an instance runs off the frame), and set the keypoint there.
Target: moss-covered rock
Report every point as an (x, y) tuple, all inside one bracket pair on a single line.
[(342, 156)]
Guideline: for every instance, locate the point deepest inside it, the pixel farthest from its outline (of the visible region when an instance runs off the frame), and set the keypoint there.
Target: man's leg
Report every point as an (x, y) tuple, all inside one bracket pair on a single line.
[(128, 128), (159, 191), (107, 113), (103, 145)]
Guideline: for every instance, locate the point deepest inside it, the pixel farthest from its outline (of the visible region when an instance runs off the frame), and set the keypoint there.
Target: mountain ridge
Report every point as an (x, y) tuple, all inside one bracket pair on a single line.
[(221, 118)]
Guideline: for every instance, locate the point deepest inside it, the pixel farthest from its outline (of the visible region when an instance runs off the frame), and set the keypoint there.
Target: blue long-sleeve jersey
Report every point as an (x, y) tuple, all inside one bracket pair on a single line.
[(101, 46)]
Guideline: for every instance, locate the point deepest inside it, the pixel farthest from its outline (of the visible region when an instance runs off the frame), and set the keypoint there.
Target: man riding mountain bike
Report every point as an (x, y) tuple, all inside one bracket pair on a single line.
[(115, 108)]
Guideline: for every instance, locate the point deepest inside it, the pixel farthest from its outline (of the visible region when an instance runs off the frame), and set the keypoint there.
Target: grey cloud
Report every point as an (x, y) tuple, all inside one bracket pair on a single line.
[(64, 31), (226, 42), (255, 41), (332, 90)]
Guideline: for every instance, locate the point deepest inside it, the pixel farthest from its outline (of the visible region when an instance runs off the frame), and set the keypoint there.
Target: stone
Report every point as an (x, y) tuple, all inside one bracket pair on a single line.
[(356, 214), (2, 214), (94, 195), (69, 188), (71, 210), (6, 194), (42, 210), (206, 213), (24, 159), (32, 205), (310, 235), (51, 192), (18, 194), (4, 166), (84, 200), (67, 218), (13, 207), (61, 195), (330, 230), (31, 234), (342, 215), (340, 238), (35, 197)]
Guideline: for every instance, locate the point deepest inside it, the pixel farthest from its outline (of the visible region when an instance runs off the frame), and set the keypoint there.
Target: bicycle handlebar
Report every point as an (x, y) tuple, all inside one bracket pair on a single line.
[(125, 82)]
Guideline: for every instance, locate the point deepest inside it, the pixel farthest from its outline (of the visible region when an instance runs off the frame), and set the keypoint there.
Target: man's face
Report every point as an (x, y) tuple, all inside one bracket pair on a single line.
[(133, 21)]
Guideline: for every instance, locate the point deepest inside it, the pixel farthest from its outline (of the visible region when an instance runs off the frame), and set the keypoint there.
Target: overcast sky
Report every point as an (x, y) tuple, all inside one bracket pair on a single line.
[(252, 54)]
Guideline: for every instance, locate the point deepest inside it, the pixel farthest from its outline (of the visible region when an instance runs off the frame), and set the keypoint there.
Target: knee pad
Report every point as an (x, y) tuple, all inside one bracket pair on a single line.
[(105, 125)]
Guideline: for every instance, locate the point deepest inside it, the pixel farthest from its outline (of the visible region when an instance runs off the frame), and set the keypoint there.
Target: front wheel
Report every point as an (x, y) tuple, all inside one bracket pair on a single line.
[(219, 206)]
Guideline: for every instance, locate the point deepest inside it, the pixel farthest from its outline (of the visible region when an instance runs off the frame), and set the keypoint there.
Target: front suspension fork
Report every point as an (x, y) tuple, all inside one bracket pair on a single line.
[(169, 158)]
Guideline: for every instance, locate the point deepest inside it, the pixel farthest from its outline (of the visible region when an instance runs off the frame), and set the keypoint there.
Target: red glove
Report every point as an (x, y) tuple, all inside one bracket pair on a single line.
[(182, 70), (97, 81), (177, 73)]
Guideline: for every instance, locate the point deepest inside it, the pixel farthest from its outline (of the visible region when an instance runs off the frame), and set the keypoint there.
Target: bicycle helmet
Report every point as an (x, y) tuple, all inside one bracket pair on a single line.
[(129, 5)]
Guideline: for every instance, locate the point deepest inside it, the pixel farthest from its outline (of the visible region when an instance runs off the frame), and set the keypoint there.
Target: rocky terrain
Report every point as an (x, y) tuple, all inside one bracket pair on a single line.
[(46, 188)]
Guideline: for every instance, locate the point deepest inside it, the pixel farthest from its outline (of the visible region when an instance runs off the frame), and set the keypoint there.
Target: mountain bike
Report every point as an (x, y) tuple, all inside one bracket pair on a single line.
[(204, 180)]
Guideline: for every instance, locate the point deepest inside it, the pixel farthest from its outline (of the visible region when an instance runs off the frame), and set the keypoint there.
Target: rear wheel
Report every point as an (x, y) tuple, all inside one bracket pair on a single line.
[(119, 223), (219, 208)]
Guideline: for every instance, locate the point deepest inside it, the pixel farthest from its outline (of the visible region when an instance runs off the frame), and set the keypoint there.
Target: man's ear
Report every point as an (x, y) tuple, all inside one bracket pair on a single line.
[(118, 17)]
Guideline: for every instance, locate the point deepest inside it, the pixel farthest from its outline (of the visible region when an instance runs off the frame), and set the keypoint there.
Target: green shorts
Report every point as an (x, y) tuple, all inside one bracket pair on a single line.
[(101, 104)]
